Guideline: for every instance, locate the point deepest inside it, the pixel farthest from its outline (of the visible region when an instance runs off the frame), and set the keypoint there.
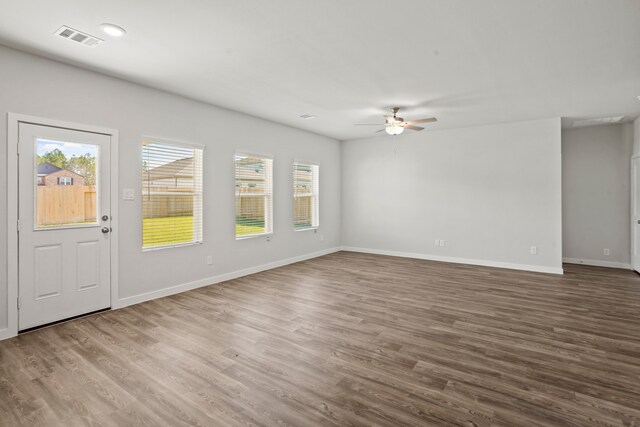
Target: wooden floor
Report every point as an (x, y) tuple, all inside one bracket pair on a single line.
[(346, 339)]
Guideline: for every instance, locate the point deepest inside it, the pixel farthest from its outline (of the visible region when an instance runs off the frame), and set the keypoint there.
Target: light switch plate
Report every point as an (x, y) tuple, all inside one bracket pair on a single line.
[(128, 194)]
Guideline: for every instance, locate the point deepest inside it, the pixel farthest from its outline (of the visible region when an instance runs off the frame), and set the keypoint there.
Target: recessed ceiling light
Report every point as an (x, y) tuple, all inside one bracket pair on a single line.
[(307, 116), (113, 30)]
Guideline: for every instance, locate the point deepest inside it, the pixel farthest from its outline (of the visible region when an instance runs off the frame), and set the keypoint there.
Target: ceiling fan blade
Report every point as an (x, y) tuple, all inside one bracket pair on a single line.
[(430, 119), (406, 126), (381, 130), (367, 124)]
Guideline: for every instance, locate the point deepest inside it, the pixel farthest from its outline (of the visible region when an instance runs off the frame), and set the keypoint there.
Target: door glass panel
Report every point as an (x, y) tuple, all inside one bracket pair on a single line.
[(65, 183)]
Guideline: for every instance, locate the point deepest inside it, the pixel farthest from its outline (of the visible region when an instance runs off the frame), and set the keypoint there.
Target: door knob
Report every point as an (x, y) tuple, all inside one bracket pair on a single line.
[(105, 230)]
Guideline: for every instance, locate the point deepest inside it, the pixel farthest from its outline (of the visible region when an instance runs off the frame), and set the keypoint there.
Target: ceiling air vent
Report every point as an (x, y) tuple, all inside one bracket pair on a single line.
[(78, 36), (599, 121)]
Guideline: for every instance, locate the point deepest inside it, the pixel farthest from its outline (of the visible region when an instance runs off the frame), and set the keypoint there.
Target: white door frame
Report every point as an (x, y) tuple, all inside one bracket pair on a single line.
[(13, 123), (633, 212)]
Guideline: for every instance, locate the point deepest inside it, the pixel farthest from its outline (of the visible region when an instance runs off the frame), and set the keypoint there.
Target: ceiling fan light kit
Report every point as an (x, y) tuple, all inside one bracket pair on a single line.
[(395, 125), (394, 129)]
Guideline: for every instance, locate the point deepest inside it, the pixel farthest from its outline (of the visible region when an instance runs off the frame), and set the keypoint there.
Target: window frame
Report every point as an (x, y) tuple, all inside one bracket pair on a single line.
[(62, 180), (180, 144), (269, 214), (315, 194)]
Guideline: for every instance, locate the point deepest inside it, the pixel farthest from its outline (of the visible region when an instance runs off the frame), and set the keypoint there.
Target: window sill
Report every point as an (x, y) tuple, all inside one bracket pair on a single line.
[(181, 245), (306, 229), (251, 236)]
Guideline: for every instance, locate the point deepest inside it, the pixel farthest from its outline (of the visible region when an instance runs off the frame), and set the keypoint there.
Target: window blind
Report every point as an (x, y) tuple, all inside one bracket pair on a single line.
[(171, 195), (306, 186), (254, 191)]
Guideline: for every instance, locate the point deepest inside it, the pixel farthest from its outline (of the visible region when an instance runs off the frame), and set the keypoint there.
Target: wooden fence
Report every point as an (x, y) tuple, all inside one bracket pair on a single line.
[(250, 208), (161, 206), (302, 210), (65, 204), (253, 207), (167, 201)]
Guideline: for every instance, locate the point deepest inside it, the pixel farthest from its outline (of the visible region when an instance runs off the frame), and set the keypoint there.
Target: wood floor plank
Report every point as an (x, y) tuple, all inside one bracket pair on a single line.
[(344, 339)]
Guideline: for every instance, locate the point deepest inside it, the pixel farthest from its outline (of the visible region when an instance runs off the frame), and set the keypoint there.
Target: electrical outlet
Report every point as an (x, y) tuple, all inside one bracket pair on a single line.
[(534, 250), (437, 242), (210, 260), (607, 252), (268, 238), (441, 242)]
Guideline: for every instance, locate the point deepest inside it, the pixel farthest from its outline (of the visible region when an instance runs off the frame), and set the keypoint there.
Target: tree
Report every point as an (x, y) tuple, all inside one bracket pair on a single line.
[(55, 157), (84, 165)]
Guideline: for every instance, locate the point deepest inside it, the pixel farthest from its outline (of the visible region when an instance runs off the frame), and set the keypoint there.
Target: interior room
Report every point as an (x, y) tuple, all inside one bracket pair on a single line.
[(305, 213)]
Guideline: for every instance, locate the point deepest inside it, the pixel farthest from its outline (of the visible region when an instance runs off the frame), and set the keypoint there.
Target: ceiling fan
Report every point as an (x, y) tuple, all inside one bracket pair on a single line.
[(395, 125)]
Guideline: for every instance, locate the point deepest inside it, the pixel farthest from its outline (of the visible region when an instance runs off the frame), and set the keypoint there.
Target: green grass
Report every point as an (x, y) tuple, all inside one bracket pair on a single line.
[(167, 231), (246, 227), (179, 229), (245, 230)]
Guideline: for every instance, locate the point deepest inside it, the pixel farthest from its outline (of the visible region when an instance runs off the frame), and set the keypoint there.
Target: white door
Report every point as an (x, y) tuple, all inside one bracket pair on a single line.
[(64, 224), (635, 213)]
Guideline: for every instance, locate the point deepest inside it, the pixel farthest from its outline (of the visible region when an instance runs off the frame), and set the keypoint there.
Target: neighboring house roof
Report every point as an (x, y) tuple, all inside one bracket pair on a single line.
[(245, 174), (182, 168), (249, 171), (302, 176), (47, 169)]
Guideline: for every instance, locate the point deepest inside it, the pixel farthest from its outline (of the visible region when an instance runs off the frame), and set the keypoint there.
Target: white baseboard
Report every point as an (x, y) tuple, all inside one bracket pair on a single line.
[(498, 264), (598, 263), (136, 299), (7, 333)]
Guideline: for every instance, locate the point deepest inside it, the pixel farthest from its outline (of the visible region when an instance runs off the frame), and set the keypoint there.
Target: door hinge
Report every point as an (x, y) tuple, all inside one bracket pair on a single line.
[(18, 303), (18, 225)]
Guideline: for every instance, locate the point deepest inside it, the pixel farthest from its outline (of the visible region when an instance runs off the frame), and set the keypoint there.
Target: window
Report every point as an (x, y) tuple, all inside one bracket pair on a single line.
[(254, 202), (66, 194), (306, 185), (65, 180), (171, 195)]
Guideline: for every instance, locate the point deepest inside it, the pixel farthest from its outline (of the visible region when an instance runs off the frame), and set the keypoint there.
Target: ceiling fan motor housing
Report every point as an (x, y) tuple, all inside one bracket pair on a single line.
[(395, 125)]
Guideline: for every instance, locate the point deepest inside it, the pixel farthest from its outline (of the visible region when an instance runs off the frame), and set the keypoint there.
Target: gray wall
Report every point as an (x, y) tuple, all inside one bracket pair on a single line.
[(636, 136), (40, 87), (596, 194), (490, 192)]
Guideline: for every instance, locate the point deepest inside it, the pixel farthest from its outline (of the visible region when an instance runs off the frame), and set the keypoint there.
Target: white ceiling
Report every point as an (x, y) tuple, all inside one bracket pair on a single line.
[(466, 62)]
